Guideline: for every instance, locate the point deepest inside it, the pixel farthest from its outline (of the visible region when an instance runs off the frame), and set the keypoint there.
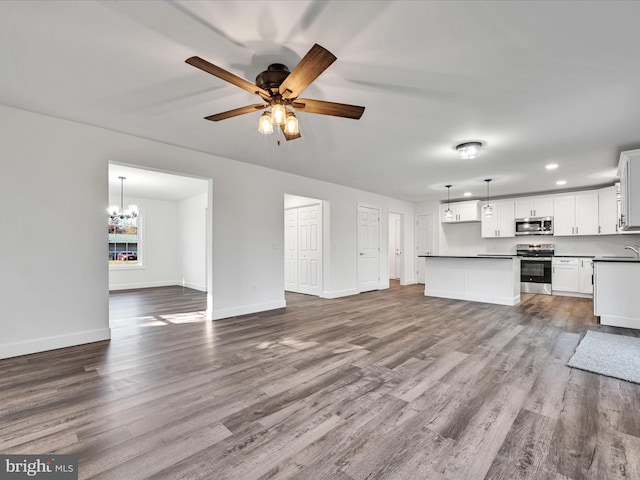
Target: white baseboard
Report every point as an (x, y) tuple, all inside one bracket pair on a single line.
[(339, 293), (131, 286), (195, 286), (620, 321), (221, 313), (8, 350)]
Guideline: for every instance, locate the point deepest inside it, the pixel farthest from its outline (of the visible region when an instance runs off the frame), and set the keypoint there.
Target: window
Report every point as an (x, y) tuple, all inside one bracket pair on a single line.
[(123, 241)]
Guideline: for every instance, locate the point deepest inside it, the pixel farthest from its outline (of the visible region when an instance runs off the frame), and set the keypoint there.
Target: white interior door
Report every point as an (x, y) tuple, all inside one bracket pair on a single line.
[(291, 250), (396, 242), (368, 248), (303, 250), (424, 242), (309, 255), (398, 247)]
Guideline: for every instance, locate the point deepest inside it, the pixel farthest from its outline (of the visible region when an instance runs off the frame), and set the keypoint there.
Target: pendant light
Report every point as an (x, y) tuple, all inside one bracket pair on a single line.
[(448, 213), (488, 209)]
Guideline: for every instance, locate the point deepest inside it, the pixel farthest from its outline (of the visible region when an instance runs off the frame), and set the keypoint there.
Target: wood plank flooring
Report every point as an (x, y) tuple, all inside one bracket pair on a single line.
[(382, 385)]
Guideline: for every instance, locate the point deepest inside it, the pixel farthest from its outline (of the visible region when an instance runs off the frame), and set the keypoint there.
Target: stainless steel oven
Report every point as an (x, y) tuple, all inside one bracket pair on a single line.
[(535, 267), (534, 226)]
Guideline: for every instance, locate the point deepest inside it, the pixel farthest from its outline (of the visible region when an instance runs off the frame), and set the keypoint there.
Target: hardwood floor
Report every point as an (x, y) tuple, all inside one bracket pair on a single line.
[(385, 385)]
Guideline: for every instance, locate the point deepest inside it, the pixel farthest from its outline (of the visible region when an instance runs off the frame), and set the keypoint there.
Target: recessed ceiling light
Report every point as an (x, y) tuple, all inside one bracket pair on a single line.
[(561, 182), (552, 166), (467, 194)]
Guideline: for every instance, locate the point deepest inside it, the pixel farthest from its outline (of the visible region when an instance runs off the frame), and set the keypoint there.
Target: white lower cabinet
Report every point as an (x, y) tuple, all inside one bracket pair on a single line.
[(565, 275), (586, 276), (572, 276)]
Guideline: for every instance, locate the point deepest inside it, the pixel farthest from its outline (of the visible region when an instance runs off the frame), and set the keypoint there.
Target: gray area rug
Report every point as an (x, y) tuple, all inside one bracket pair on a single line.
[(608, 354)]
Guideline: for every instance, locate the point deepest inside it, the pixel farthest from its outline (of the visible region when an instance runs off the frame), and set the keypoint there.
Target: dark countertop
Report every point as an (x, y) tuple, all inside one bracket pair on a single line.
[(616, 259), (481, 255)]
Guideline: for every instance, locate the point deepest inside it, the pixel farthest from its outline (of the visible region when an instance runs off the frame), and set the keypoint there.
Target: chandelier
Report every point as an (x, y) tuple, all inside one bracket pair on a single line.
[(118, 214)]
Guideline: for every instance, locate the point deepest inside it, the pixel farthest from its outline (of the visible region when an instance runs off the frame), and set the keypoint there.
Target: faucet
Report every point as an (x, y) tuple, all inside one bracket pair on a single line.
[(635, 249)]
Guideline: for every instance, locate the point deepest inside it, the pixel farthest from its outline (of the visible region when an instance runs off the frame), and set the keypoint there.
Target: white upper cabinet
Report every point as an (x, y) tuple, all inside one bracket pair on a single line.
[(607, 211), (629, 173), (462, 212), (575, 214), (502, 222), (534, 207)]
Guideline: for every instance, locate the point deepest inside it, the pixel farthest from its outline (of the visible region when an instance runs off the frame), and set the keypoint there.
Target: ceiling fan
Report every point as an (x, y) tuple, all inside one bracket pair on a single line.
[(279, 88)]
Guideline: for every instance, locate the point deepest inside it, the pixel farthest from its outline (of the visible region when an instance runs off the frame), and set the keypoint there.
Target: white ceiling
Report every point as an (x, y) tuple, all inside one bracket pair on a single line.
[(539, 82), (153, 184)]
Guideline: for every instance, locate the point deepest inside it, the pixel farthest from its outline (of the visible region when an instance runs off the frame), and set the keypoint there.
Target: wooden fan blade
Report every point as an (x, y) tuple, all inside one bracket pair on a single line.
[(235, 112), (287, 136), (227, 76), (328, 108), (312, 64)]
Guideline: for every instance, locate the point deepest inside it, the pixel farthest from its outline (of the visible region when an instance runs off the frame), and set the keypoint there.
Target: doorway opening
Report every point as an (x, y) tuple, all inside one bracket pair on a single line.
[(303, 244), (174, 248)]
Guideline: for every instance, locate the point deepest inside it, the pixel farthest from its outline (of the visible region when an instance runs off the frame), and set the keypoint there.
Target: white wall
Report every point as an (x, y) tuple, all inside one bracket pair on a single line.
[(57, 169), (158, 247), (588, 245), (192, 242)]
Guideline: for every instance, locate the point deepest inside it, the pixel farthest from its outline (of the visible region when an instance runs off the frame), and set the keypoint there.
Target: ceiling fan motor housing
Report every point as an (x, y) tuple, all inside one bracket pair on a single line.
[(272, 77)]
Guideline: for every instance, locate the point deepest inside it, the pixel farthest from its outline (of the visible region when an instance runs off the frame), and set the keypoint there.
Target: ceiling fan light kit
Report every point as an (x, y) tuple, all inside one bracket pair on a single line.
[(264, 124), (469, 150), (278, 114), (291, 125), (280, 89)]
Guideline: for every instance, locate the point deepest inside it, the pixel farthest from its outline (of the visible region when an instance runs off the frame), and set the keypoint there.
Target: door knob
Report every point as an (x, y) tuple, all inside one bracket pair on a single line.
[(361, 253)]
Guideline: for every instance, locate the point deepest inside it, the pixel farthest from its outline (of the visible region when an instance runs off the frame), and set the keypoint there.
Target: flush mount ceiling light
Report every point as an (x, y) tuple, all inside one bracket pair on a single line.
[(469, 150), (448, 213), (551, 166), (117, 214), (561, 182), (488, 209)]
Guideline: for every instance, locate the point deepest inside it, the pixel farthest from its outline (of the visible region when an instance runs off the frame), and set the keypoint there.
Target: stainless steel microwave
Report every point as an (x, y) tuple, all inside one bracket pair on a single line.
[(534, 226)]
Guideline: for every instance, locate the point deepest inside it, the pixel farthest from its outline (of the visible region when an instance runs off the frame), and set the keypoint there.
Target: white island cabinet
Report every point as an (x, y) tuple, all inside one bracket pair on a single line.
[(615, 295), (489, 279)]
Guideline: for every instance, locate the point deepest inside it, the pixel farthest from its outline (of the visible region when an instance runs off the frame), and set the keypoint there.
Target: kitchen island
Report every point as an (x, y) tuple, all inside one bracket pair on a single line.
[(480, 278)]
